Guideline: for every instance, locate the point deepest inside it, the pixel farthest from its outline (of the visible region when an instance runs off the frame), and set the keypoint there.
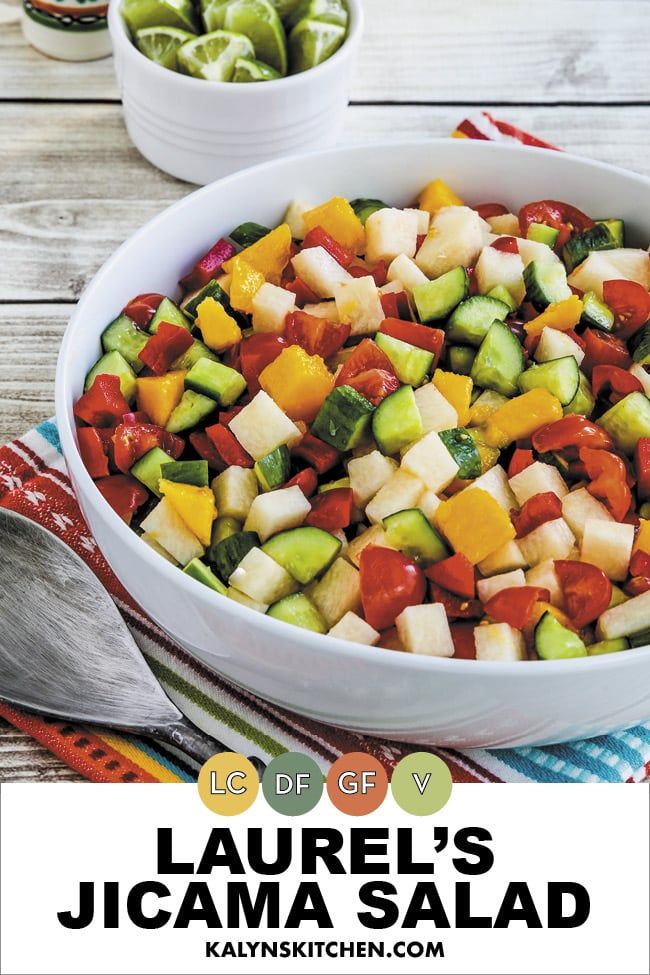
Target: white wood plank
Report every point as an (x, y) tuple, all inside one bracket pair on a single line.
[(442, 51)]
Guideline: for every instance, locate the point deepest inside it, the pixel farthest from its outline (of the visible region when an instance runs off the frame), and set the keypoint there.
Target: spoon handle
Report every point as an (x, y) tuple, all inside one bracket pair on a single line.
[(185, 736)]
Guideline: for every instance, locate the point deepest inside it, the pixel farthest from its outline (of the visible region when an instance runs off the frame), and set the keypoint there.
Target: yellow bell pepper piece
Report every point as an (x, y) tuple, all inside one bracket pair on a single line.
[(195, 505), (521, 416), (642, 541), (541, 607), (338, 219), (474, 523), (269, 255), (437, 195), (246, 281), (220, 331), (561, 315), (298, 382), (158, 396), (457, 390)]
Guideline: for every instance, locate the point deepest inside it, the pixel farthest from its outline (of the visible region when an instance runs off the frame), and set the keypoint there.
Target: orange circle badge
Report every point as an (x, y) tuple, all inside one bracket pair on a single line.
[(357, 784)]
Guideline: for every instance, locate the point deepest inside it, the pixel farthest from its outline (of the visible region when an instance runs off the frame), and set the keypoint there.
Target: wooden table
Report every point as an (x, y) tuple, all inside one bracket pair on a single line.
[(72, 187)]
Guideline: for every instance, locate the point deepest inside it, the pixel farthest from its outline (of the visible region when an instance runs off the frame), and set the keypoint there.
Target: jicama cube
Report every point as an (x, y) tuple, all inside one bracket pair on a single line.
[(624, 620), (271, 305), (538, 478), (234, 490), (319, 271), (495, 267), (594, 270), (495, 482), (391, 288), (400, 492), (261, 579), (637, 370), (262, 426), (240, 597), (425, 630), (338, 592), (632, 263), (456, 237), (431, 462), (359, 305), (504, 559), (390, 232), (406, 273), (535, 250), (487, 588), (368, 474), (552, 540), (555, 345), (499, 642), (578, 507), (428, 503), (437, 412), (423, 219), (351, 627), (294, 217), (545, 576), (157, 547), (276, 511), (608, 544), (324, 309), (375, 535), (504, 224), (167, 528)]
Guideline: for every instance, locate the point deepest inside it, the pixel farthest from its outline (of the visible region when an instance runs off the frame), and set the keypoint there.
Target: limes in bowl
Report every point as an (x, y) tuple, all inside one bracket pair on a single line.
[(313, 41), (213, 56), (247, 69), (160, 13), (331, 11), (161, 44), (260, 22)]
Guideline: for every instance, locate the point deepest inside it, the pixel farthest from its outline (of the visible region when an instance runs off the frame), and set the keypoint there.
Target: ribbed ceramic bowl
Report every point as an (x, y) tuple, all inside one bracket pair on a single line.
[(201, 130), (398, 695)]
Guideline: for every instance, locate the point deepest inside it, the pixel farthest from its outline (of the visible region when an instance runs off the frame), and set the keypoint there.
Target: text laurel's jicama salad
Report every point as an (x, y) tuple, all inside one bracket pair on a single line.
[(424, 429)]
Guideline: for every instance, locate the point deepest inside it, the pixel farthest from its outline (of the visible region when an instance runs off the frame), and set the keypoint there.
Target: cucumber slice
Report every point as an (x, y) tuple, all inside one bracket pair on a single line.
[(641, 352), (343, 419), (114, 364), (304, 552), (212, 289), (342, 482), (584, 400), (628, 421), (227, 553), (578, 247), (223, 384), (561, 377), (608, 646), (461, 358), (273, 470), (411, 364), (248, 233), (148, 470), (462, 447), (224, 527), (192, 408), (470, 322), (203, 573), (298, 610), (556, 459), (595, 313), (499, 362), (365, 208), (124, 336), (436, 299), (555, 642), (186, 472), (410, 532), (617, 230), (167, 311), (501, 293), (197, 350), (640, 639), (543, 234), (397, 421), (545, 284)]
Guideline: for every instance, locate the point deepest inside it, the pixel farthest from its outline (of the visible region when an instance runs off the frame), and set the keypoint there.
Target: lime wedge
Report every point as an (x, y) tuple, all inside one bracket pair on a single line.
[(259, 20), (331, 11), (213, 13), (284, 7), (160, 44), (313, 41), (213, 56), (159, 13), (247, 69)]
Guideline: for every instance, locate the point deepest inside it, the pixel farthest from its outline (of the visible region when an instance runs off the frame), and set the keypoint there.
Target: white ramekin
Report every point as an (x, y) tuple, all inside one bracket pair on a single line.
[(201, 130)]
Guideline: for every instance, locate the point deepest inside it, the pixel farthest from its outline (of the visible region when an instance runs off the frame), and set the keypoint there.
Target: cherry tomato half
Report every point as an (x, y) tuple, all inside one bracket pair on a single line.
[(608, 480), (389, 583), (630, 302), (142, 308), (516, 605), (587, 590), (603, 349), (317, 336), (554, 213), (507, 245), (486, 210)]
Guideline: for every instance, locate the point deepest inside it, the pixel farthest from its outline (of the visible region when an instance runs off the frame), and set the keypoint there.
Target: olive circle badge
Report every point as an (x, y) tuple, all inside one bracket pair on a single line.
[(292, 784), (421, 784)]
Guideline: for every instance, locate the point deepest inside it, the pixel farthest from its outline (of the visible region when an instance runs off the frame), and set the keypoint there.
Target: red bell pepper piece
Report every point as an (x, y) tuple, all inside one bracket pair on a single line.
[(571, 431), (578, 339), (133, 418), (508, 245), (630, 303), (229, 448), (331, 510), (375, 384), (142, 308), (317, 336), (486, 210), (225, 416), (456, 607), (304, 294), (306, 480), (103, 405), (603, 349), (457, 574), (515, 605), (395, 304), (135, 440), (642, 465), (164, 347), (586, 589), (520, 460), (640, 564), (206, 450), (462, 635), (366, 355), (318, 454), (389, 583), (421, 336), (608, 480), (379, 273), (93, 451), (536, 511), (616, 382), (473, 283), (419, 240), (317, 237), (208, 266), (256, 352), (124, 494), (637, 586), (554, 213)]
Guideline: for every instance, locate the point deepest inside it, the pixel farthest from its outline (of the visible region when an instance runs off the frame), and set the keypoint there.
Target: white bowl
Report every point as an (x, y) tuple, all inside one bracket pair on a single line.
[(201, 130), (450, 702)]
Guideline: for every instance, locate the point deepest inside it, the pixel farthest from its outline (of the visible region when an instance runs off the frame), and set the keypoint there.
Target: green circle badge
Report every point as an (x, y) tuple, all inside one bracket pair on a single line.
[(421, 784), (292, 784)]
